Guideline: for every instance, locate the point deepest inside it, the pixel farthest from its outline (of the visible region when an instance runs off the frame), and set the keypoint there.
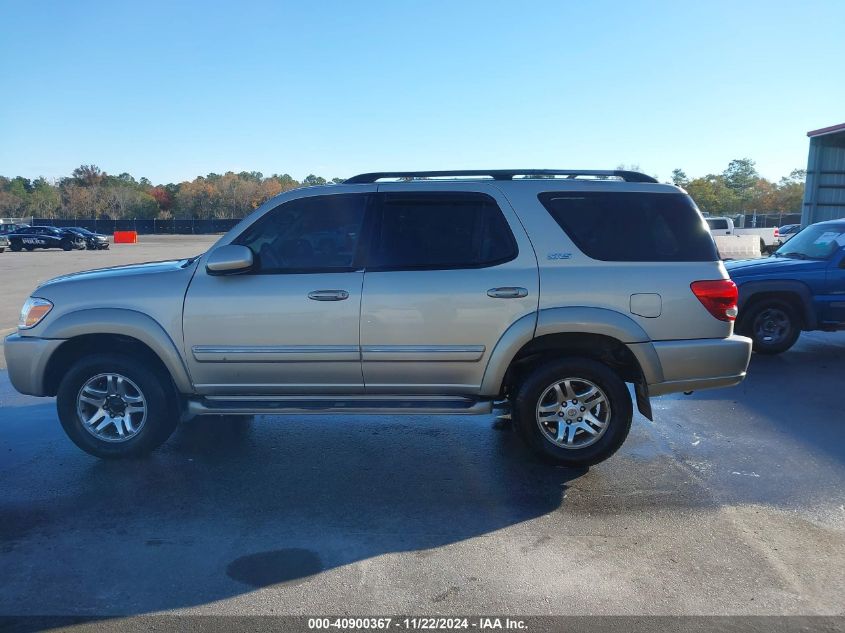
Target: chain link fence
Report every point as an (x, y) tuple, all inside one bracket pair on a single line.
[(145, 227)]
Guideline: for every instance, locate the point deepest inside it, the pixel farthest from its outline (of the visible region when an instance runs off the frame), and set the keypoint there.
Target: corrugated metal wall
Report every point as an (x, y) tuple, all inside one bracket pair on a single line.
[(824, 195)]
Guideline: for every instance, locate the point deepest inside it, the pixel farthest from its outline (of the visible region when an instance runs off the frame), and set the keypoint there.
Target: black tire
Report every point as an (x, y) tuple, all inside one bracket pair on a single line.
[(773, 325), (16, 247), (67, 246), (162, 413), (617, 426), (2, 250)]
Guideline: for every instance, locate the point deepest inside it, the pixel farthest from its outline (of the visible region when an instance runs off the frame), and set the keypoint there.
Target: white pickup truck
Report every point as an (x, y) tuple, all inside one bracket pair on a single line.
[(769, 237)]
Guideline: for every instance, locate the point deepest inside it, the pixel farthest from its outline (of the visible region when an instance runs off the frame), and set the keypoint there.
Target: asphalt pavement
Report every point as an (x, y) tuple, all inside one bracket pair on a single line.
[(731, 502)]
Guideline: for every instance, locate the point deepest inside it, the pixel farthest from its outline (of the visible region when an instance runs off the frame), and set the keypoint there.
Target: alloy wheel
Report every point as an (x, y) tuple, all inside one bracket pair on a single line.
[(111, 407), (573, 413)]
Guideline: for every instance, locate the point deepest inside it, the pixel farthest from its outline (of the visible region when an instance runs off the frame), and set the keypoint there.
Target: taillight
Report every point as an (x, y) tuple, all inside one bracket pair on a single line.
[(777, 232), (718, 296)]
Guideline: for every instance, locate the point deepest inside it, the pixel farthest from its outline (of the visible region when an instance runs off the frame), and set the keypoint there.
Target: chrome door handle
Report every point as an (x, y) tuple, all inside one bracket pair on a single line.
[(328, 295), (508, 292)]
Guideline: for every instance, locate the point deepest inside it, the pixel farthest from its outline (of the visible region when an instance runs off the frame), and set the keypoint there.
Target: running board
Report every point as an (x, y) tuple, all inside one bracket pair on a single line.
[(275, 405)]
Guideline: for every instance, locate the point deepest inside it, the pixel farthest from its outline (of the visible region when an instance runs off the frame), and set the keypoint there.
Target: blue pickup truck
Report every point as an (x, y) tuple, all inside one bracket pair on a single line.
[(800, 287)]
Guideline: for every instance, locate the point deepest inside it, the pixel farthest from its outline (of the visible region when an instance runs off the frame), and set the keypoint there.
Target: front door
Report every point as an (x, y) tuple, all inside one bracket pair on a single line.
[(449, 269), (291, 324), (834, 297)]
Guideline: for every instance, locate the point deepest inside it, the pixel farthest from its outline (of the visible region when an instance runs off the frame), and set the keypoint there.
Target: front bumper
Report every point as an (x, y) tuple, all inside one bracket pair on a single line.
[(693, 365), (26, 361)]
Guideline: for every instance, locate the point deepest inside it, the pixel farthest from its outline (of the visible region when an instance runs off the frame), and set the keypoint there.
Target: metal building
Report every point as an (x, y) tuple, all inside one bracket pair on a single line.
[(824, 192)]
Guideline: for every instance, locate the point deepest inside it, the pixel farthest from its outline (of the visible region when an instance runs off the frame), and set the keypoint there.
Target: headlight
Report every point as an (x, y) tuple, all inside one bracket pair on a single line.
[(33, 310)]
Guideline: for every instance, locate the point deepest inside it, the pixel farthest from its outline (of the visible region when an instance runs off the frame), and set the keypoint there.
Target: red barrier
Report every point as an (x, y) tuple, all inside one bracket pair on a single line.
[(125, 237)]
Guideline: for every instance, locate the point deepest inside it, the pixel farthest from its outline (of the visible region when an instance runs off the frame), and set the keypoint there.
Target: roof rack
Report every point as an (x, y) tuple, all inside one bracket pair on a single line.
[(501, 174)]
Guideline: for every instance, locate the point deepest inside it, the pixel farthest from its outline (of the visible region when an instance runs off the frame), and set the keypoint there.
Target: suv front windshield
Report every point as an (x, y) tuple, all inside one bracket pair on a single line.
[(819, 241)]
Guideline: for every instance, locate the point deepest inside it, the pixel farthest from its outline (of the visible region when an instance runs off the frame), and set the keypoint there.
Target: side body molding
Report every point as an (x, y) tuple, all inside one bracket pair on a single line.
[(574, 319), (125, 323)]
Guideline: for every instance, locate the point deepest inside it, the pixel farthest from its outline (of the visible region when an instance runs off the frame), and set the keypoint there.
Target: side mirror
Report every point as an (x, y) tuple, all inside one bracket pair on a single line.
[(229, 260)]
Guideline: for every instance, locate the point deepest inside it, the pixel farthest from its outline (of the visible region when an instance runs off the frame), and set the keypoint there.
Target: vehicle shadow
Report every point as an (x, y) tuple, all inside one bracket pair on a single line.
[(225, 507)]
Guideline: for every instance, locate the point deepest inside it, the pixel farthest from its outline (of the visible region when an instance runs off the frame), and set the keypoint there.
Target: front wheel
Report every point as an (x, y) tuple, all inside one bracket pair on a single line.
[(16, 247), (114, 406), (67, 246), (774, 326), (575, 412)]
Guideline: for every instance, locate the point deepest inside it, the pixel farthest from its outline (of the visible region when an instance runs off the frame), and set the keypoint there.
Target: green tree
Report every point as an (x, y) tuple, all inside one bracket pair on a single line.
[(679, 178), (712, 195)]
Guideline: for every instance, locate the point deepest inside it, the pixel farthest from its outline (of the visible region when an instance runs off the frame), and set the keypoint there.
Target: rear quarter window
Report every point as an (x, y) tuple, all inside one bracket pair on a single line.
[(632, 226)]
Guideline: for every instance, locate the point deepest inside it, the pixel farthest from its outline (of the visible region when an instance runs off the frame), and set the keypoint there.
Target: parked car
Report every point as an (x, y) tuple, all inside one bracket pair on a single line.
[(788, 231), (801, 287), (93, 241), (32, 237), (444, 292), (4, 243), (11, 227), (769, 237)]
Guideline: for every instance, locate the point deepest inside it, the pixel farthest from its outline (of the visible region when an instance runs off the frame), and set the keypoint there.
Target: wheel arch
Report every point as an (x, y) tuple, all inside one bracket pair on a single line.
[(113, 330), (796, 293), (596, 333)]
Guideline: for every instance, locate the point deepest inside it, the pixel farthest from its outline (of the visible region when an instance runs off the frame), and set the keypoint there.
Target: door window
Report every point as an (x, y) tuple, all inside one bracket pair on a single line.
[(430, 231), (314, 234)]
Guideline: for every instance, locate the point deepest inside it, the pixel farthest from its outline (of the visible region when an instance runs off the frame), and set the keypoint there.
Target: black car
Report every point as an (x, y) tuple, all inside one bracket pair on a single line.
[(5, 229), (32, 237), (93, 241)]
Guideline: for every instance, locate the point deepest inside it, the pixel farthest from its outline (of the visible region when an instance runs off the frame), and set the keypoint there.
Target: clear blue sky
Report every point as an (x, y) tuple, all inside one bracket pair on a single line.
[(172, 90)]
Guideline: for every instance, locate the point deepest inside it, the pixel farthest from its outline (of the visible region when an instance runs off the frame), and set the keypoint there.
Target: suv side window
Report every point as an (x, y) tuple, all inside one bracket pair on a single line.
[(314, 234), (439, 230), (632, 226), (717, 225)]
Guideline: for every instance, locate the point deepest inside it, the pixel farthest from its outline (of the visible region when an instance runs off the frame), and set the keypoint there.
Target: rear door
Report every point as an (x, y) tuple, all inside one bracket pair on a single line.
[(450, 268)]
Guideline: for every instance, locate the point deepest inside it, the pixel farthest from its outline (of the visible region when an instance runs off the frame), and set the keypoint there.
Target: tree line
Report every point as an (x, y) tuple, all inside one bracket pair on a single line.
[(92, 193), (740, 189)]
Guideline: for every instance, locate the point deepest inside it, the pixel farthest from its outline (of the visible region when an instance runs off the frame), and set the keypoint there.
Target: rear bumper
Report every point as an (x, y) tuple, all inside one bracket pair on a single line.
[(700, 364), (26, 361)]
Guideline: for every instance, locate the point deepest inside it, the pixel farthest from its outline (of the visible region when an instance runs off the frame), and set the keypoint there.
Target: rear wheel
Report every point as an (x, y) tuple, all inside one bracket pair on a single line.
[(114, 406), (574, 412), (16, 246), (773, 325), (66, 245)]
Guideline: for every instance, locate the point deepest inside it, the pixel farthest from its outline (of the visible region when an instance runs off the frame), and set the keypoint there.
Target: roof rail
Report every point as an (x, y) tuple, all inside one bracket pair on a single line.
[(501, 174)]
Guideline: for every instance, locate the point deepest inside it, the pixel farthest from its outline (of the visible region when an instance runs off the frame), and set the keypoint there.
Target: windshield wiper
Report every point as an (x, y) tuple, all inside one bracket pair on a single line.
[(796, 255)]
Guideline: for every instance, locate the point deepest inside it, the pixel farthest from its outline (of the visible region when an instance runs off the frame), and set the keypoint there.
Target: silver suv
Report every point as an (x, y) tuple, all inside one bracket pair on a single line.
[(423, 292)]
